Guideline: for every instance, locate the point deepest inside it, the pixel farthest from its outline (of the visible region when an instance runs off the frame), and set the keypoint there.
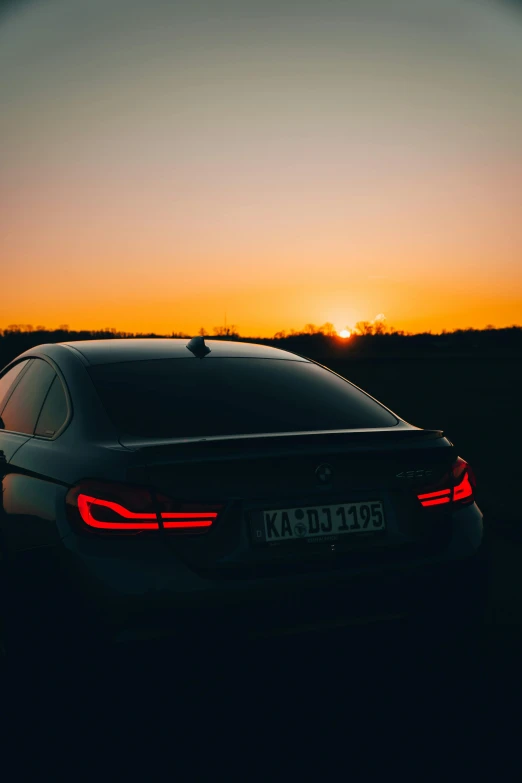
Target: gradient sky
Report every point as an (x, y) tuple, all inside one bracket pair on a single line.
[(286, 162)]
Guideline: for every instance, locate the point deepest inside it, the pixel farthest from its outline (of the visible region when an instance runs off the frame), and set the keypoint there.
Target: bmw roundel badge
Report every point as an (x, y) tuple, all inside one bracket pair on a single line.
[(324, 473)]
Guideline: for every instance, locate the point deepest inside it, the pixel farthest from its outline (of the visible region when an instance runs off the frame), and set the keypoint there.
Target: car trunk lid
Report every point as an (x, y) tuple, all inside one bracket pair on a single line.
[(251, 475)]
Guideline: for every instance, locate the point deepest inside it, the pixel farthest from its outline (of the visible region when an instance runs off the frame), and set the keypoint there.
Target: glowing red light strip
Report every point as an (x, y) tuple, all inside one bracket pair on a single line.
[(189, 523), (462, 491), (439, 493), (435, 501), (184, 519)]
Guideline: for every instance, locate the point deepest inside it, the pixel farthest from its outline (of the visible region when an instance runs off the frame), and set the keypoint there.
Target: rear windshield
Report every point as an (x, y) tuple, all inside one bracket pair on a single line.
[(208, 397)]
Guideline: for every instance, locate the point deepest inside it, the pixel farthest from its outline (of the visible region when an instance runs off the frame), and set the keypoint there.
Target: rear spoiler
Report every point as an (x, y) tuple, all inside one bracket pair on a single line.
[(251, 446)]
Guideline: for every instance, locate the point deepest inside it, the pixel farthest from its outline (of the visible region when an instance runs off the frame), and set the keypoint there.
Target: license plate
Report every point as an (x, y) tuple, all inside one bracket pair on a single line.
[(316, 522)]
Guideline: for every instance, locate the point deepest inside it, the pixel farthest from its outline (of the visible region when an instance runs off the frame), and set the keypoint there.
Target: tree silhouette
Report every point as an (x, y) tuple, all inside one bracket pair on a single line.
[(328, 329), (379, 327), (226, 331), (364, 327)]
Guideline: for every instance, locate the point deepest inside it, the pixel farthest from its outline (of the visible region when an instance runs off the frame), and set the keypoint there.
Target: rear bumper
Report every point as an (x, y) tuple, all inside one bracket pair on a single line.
[(296, 608), (141, 592)]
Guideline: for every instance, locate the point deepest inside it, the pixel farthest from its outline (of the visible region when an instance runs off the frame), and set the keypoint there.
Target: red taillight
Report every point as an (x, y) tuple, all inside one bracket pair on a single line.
[(463, 490), (435, 498), (127, 509), (459, 487)]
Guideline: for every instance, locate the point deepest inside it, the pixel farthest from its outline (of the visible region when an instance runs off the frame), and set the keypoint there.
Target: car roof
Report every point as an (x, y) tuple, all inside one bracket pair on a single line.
[(137, 349)]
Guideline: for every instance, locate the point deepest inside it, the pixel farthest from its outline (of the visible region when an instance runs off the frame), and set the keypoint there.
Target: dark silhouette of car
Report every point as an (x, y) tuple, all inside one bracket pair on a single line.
[(150, 486)]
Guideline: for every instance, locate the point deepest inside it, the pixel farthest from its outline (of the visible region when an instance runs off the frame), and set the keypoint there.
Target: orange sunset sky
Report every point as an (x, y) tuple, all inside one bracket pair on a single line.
[(283, 162)]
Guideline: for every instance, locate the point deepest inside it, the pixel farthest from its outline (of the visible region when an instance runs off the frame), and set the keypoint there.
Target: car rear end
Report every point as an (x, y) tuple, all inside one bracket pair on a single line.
[(249, 507)]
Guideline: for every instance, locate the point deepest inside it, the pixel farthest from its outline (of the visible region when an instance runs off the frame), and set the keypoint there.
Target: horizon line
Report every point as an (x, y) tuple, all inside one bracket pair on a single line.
[(228, 332)]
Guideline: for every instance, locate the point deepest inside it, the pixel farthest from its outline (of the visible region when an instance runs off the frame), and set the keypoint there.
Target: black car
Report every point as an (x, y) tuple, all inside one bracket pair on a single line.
[(150, 486)]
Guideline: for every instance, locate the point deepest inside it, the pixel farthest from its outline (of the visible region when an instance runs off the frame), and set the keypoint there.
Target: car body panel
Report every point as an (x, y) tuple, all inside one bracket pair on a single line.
[(106, 351), (165, 577)]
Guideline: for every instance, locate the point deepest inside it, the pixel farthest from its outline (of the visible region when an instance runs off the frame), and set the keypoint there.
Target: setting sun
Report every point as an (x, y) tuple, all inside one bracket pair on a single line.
[(344, 333)]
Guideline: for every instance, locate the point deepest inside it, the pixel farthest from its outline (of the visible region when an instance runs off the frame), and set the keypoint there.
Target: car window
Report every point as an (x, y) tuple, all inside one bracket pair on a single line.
[(54, 411), (23, 406), (8, 380), (193, 397)]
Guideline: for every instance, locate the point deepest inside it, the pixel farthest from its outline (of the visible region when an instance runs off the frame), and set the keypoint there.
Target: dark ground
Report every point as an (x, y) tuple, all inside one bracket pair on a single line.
[(380, 695), (280, 709)]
